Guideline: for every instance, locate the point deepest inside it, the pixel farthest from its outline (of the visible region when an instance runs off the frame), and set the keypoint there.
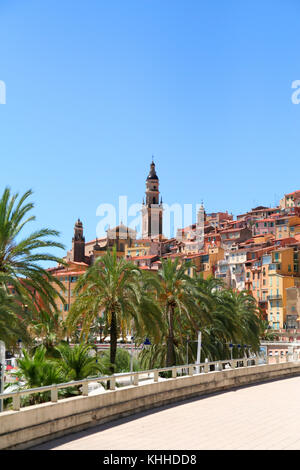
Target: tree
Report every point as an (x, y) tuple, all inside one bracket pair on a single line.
[(38, 371), (20, 269), (76, 362), (233, 318), (171, 285), (112, 287), (195, 304), (49, 328), (13, 320)]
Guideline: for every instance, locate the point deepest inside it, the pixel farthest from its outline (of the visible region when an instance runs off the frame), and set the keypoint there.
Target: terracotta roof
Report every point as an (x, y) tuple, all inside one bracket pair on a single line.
[(144, 257), (173, 255), (96, 239), (269, 219), (70, 273), (232, 230), (285, 240), (194, 255), (81, 263), (295, 192)]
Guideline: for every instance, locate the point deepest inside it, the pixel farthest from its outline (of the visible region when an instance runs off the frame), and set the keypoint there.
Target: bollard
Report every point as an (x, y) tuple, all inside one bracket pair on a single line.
[(112, 383), (136, 379), (54, 394), (206, 367), (16, 402), (85, 389), (174, 373), (191, 370), (294, 356), (156, 376)]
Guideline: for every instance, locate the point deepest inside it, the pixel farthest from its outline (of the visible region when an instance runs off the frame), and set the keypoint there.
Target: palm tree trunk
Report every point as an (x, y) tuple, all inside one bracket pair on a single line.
[(113, 341), (170, 340)]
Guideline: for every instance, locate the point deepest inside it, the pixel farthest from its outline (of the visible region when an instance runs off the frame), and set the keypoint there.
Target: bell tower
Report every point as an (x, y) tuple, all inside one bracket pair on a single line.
[(200, 227), (78, 243), (152, 210)]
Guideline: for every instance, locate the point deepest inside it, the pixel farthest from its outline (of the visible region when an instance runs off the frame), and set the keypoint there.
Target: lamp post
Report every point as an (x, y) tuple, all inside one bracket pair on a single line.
[(231, 349), (187, 349), (2, 370), (101, 331), (239, 347), (199, 351), (131, 357), (20, 347)]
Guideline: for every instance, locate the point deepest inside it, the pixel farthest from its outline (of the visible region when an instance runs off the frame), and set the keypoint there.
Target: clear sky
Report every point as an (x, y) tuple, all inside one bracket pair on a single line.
[(94, 88)]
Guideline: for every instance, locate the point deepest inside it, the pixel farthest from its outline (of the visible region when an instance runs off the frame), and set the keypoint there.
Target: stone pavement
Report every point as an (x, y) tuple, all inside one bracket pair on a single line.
[(265, 416)]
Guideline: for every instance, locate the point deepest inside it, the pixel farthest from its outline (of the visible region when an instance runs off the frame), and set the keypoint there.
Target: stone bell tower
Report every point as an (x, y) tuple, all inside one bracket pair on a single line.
[(152, 210), (78, 243)]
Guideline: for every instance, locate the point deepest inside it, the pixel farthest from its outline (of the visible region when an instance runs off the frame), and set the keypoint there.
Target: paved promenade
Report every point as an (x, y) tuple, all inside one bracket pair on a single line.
[(265, 416)]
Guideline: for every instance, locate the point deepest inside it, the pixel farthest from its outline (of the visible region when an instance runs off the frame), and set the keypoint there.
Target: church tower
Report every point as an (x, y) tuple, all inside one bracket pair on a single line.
[(78, 243), (200, 227), (152, 210)]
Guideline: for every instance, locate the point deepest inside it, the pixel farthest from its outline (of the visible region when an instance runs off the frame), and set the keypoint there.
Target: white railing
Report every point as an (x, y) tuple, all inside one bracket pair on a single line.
[(185, 370)]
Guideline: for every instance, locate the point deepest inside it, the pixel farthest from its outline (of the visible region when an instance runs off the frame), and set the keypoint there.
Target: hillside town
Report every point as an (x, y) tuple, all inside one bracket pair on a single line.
[(258, 252)]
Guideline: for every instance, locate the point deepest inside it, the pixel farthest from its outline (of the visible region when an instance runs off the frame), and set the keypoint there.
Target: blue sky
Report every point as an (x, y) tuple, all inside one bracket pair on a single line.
[(95, 88)]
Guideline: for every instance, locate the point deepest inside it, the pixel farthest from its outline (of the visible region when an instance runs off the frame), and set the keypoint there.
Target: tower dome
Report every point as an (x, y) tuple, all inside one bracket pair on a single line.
[(152, 173)]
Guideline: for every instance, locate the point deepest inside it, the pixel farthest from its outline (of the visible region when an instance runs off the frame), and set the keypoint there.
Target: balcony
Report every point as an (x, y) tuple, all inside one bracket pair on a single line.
[(274, 297), (274, 267)]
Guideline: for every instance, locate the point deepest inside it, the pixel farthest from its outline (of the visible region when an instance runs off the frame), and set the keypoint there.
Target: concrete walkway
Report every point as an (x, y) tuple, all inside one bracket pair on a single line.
[(265, 416)]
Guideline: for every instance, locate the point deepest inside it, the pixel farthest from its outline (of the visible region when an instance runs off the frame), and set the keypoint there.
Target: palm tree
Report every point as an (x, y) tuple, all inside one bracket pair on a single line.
[(50, 330), (76, 362), (234, 319), (214, 321), (196, 304), (13, 321), (112, 287), (173, 295), (20, 270), (266, 333), (38, 371), (248, 318)]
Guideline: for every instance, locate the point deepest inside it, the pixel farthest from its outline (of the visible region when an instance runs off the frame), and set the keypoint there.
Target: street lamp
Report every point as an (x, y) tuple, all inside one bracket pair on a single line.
[(187, 349), (131, 358), (199, 345), (2, 370), (101, 328), (147, 343), (231, 349), (20, 347)]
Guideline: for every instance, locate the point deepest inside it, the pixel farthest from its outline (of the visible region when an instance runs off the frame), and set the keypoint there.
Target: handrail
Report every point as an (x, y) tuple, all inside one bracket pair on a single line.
[(203, 368)]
